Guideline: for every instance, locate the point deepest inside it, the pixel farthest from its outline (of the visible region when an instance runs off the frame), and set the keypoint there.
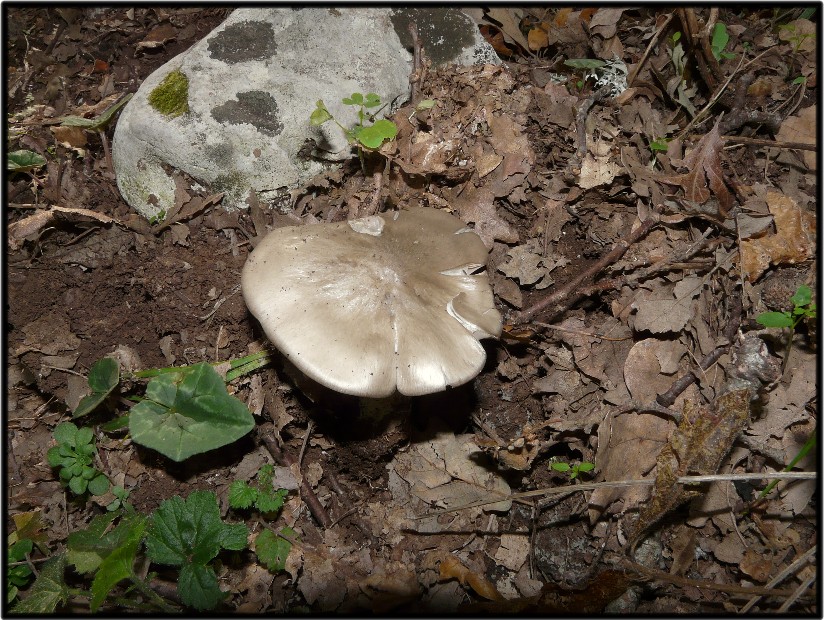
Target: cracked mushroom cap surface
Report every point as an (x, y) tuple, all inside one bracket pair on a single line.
[(378, 304)]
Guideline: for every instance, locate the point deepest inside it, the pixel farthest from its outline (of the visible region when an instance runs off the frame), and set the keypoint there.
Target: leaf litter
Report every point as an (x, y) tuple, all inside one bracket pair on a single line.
[(502, 149)]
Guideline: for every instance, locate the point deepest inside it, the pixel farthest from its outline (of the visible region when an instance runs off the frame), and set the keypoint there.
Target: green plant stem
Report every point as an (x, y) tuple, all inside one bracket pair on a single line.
[(805, 449), (152, 595), (237, 367)]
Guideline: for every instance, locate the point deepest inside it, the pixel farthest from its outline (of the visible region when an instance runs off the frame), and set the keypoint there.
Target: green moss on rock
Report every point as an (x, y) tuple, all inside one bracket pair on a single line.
[(171, 96)]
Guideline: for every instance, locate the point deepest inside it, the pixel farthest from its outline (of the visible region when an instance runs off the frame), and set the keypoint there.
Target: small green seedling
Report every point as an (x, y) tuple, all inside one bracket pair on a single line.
[(261, 494), (189, 534), (74, 455), (803, 308), (119, 501), (720, 38), (573, 470), (369, 136), (18, 571)]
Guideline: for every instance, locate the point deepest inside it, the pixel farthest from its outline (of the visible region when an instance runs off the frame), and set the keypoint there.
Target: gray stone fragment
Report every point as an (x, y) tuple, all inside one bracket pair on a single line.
[(252, 84)]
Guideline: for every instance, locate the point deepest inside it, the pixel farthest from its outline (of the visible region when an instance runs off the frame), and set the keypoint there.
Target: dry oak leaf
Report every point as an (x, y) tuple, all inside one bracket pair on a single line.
[(597, 171), (793, 241), (801, 128), (660, 313), (704, 173), (703, 438)]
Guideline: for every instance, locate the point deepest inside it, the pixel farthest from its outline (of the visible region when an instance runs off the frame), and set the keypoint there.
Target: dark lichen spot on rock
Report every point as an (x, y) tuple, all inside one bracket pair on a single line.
[(221, 154), (171, 96), (242, 42), (444, 33), (254, 107)]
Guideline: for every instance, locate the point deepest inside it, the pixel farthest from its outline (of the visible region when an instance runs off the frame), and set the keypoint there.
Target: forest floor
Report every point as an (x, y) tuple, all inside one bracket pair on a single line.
[(635, 233)]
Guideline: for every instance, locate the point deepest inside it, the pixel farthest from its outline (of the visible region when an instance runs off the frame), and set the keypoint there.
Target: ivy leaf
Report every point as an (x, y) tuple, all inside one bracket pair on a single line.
[(188, 412), (118, 564), (24, 161), (198, 587), (103, 378), (48, 590)]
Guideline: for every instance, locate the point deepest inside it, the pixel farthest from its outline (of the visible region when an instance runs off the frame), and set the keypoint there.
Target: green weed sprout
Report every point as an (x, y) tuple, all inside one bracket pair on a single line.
[(74, 455), (803, 308), (720, 38), (261, 494), (18, 572), (572, 470), (364, 136)]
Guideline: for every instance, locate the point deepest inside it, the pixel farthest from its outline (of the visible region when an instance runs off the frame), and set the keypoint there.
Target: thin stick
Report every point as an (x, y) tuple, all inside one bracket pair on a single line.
[(797, 564), (591, 486), (652, 43)]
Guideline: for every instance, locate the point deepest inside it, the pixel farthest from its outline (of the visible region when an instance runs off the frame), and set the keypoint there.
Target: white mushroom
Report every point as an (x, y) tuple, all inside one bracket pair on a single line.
[(383, 303)]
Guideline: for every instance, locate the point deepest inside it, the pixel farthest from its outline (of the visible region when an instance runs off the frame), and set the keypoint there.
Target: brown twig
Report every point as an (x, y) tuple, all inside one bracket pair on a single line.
[(568, 294), (581, 121), (416, 77), (306, 492), (652, 43), (774, 144), (668, 398)]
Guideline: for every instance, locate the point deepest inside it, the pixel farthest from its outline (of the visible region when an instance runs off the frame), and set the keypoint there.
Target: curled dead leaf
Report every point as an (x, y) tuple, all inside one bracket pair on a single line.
[(452, 568)]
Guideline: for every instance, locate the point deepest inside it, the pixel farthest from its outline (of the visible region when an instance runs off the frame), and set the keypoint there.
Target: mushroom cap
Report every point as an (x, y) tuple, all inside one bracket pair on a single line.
[(382, 303)]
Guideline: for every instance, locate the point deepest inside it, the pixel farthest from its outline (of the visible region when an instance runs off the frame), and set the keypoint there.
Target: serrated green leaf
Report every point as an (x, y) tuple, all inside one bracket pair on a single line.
[(118, 564), (191, 530), (198, 587), (87, 548), (373, 136), (233, 536), (774, 319), (355, 99), (189, 412), (24, 161), (48, 590), (272, 550), (271, 501), (241, 495)]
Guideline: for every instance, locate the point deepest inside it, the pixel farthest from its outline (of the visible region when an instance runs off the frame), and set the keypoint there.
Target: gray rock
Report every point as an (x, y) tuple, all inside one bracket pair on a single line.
[(233, 111)]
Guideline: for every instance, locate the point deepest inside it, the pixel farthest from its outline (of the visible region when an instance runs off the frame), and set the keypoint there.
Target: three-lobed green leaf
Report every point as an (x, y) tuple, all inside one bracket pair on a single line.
[(188, 412), (189, 533)]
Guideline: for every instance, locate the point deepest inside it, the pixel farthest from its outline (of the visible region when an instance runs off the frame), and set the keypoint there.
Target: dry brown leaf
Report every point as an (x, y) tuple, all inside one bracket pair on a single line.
[(510, 20), (793, 241), (452, 568), (704, 173), (627, 448), (537, 38), (72, 137), (605, 22), (597, 171), (475, 205), (666, 309), (513, 551), (801, 128), (645, 365), (18, 231), (704, 436)]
